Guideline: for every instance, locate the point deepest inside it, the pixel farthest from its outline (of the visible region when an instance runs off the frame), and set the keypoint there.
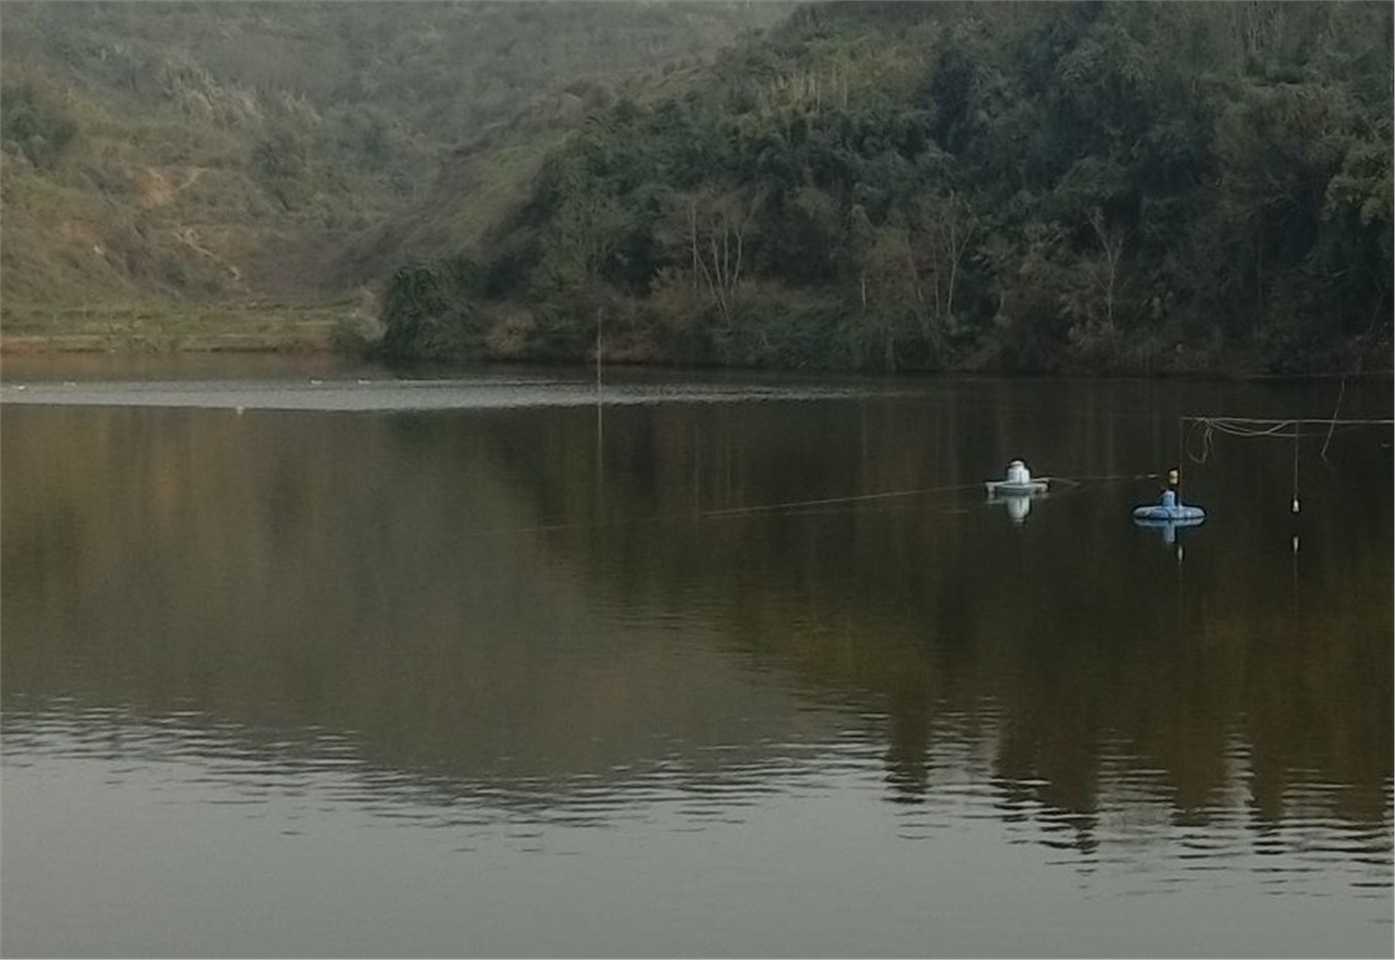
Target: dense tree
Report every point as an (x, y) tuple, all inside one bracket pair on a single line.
[(943, 185), (1105, 184)]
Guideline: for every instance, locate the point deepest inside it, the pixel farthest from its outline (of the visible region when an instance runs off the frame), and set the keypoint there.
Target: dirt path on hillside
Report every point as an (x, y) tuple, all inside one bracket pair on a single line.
[(190, 238), (155, 190)]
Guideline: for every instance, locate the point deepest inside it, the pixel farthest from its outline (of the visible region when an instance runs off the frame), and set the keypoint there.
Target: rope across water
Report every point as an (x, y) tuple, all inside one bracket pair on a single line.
[(722, 513), (1204, 429)]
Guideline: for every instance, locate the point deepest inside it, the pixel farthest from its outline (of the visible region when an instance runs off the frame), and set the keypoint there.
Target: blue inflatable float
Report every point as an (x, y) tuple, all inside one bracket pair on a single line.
[(1168, 511)]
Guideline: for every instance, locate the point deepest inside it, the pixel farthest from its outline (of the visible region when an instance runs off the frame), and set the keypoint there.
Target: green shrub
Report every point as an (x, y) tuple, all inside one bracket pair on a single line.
[(35, 122)]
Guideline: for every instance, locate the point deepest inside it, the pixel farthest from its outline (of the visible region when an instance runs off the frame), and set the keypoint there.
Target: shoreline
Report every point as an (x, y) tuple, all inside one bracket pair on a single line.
[(249, 326), (32, 345), (321, 344)]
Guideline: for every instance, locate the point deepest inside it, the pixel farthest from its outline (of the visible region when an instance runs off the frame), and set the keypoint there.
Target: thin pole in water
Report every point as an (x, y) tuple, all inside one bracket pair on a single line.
[(600, 417), (1180, 442), (1297, 431)]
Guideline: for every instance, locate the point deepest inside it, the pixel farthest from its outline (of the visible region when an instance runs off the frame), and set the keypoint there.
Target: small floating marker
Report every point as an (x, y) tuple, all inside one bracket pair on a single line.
[(1295, 543), (363, 382), (1179, 553), (70, 383), (20, 386), (316, 383), (241, 410), (1295, 504)]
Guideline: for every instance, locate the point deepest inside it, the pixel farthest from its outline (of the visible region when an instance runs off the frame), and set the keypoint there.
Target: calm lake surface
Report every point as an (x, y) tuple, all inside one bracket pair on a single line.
[(310, 661)]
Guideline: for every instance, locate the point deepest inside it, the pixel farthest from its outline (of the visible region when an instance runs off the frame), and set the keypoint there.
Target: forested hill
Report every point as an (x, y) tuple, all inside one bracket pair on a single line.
[(1032, 186), (186, 153), (1023, 186)]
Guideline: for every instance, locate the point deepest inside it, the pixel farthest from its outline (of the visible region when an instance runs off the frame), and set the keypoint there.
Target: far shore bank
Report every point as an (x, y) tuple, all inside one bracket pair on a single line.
[(318, 340), (233, 327), (297, 341)]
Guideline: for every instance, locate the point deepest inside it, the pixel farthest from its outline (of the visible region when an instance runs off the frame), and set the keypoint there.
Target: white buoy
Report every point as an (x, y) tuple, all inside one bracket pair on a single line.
[(1018, 482)]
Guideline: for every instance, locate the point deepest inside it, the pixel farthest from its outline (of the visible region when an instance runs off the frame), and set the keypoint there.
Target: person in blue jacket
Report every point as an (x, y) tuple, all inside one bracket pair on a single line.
[(1171, 495)]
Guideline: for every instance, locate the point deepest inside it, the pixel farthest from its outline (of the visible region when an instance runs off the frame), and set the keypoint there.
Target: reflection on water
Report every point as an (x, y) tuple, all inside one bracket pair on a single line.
[(340, 394), (508, 636)]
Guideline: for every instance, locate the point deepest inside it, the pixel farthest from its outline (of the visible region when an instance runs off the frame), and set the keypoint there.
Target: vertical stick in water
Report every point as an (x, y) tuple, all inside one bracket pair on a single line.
[(1297, 430), (600, 423), (1181, 443)]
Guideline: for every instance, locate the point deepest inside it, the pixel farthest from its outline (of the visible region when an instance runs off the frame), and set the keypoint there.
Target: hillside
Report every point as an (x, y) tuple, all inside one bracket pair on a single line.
[(182, 158), (1121, 186)]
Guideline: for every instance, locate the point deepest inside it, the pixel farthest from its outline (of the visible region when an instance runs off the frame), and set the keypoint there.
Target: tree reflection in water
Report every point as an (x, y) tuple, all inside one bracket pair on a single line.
[(449, 595)]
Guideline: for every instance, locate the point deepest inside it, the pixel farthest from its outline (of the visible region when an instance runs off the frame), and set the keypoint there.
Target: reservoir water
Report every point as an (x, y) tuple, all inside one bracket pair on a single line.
[(326, 662)]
